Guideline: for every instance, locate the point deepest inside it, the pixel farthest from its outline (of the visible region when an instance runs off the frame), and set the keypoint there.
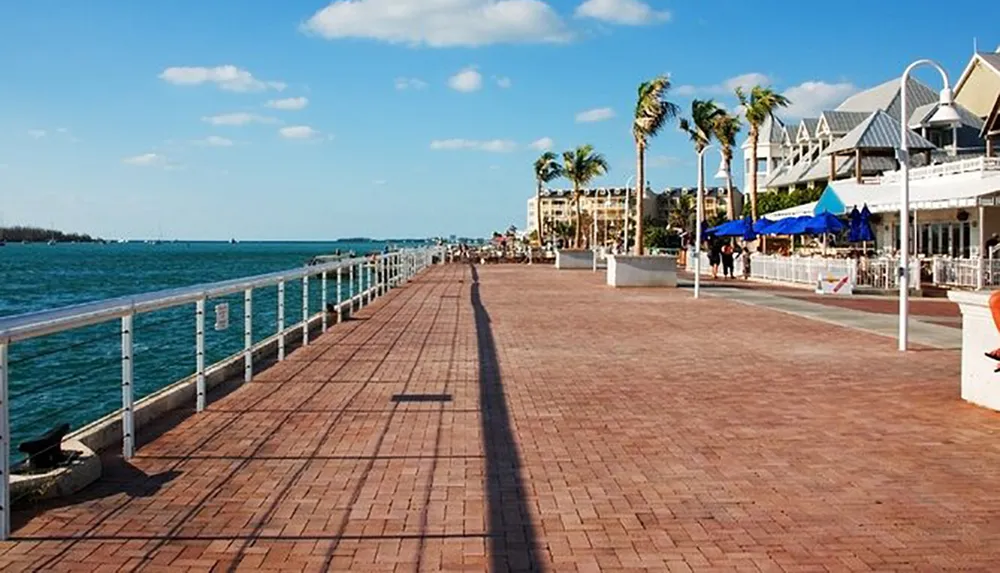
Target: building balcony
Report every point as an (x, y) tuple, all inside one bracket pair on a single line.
[(984, 166)]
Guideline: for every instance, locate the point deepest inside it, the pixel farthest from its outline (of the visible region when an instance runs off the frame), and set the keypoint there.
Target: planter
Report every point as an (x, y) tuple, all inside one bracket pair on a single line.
[(644, 271), (574, 259), (980, 385)]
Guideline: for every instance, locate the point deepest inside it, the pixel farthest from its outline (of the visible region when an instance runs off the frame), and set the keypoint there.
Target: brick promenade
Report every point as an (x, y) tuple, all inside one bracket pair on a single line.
[(585, 429)]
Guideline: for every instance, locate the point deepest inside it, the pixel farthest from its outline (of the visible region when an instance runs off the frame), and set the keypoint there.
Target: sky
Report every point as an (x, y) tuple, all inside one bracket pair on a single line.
[(310, 120)]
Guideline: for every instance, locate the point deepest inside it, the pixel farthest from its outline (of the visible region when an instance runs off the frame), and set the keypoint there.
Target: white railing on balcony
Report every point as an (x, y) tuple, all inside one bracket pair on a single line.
[(986, 166)]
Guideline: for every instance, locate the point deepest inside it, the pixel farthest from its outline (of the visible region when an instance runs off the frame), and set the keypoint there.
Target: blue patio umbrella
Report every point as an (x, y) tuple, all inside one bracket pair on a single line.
[(737, 228), (854, 225), (864, 227), (748, 229), (789, 226), (762, 224), (825, 222)]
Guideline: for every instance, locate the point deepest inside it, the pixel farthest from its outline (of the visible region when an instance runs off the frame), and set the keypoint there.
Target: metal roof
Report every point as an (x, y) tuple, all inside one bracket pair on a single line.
[(809, 125), (886, 97), (879, 131), (922, 113), (991, 59), (838, 123)]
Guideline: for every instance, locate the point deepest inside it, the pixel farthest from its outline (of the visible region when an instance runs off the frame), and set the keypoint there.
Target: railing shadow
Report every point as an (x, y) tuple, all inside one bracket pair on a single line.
[(512, 538)]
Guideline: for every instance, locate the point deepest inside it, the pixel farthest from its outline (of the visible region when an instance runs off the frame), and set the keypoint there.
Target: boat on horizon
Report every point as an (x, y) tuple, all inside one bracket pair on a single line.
[(233, 241)]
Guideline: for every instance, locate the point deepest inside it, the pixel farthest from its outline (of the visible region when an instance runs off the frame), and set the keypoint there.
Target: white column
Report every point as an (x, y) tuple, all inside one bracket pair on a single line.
[(248, 335), (281, 321), (4, 448), (340, 296), (323, 298), (305, 310)]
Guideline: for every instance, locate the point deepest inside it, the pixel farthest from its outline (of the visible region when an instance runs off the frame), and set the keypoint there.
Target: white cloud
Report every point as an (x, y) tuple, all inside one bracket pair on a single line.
[(298, 132), (503, 82), (410, 84), (492, 145), (440, 23), (727, 87), (146, 160), (379, 182), (238, 118), (543, 144), (467, 80), (228, 77), (629, 12), (62, 130), (215, 141), (809, 99), (37, 133), (290, 103), (596, 114), (659, 161)]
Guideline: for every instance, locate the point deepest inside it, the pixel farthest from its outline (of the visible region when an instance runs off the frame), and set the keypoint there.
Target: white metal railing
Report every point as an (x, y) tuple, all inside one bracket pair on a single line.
[(966, 273), (981, 165), (880, 273), (366, 279)]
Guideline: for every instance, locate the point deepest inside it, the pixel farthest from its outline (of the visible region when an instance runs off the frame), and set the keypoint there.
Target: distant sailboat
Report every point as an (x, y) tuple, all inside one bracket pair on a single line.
[(233, 241)]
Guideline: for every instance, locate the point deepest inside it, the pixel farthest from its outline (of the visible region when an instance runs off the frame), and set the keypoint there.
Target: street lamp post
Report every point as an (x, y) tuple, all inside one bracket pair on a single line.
[(945, 114), (700, 216)]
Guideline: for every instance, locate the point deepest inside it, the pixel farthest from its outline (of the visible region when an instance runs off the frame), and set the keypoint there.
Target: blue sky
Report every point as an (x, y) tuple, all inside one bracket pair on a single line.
[(309, 120)]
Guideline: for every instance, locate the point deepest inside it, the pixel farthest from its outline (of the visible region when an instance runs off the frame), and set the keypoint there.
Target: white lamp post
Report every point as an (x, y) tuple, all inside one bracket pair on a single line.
[(945, 114), (627, 183), (700, 215)]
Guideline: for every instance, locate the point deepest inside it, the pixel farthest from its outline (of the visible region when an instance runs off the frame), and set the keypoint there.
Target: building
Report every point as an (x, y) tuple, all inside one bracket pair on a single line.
[(954, 174), (716, 200), (608, 203), (857, 139)]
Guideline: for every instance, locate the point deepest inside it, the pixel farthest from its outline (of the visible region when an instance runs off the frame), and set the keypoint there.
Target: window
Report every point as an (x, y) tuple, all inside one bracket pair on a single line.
[(940, 137), (761, 164)]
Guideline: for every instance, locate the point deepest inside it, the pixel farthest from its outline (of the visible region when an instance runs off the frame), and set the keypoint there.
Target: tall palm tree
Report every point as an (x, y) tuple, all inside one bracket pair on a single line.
[(700, 129), (726, 127), (581, 166), (758, 105), (547, 169), (682, 214), (652, 112)]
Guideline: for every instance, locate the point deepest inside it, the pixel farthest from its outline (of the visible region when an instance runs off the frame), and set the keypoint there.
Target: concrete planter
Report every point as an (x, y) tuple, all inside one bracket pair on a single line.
[(574, 259), (980, 385), (644, 271)]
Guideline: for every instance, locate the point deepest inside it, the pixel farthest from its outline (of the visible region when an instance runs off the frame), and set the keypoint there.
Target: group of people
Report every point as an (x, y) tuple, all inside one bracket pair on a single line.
[(725, 253)]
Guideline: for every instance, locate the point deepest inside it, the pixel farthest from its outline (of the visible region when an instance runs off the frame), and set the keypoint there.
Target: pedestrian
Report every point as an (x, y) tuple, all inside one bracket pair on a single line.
[(746, 262), (714, 257), (727, 261)]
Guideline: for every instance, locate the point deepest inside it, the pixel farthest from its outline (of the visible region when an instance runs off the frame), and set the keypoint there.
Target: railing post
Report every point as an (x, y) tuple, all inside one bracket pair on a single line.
[(199, 354), (371, 282), (323, 298), (281, 320), (128, 427), (350, 286), (4, 447), (305, 310), (248, 335), (340, 296), (980, 271)]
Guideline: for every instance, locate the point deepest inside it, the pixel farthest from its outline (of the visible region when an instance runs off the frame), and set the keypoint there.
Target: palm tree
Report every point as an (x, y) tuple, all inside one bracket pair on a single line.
[(726, 127), (581, 166), (682, 214), (700, 129), (757, 107), (652, 112), (547, 169)]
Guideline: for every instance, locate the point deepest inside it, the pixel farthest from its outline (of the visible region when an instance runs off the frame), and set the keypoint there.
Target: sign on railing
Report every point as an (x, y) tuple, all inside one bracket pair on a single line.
[(222, 316)]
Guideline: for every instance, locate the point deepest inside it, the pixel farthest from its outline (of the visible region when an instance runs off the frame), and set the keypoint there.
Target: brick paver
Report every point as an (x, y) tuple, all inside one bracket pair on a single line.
[(587, 429)]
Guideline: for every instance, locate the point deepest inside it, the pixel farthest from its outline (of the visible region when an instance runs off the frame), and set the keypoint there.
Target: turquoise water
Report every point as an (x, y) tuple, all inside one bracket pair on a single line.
[(75, 376)]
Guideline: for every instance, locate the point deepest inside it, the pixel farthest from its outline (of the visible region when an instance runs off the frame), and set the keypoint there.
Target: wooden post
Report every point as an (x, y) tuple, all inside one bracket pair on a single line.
[(857, 165), (833, 166)]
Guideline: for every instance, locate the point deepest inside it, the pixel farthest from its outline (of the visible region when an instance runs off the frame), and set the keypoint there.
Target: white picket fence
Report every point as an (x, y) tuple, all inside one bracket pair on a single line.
[(966, 273), (880, 273)]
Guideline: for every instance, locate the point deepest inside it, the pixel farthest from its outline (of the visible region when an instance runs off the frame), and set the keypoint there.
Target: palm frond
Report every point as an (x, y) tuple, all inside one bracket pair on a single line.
[(652, 110)]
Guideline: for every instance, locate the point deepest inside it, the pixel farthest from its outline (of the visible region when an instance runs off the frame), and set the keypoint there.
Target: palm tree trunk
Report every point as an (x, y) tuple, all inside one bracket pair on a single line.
[(640, 187), (730, 196), (578, 240), (753, 173)]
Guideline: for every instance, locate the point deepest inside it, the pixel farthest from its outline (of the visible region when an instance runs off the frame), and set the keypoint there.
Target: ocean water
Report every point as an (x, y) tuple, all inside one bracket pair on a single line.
[(75, 376)]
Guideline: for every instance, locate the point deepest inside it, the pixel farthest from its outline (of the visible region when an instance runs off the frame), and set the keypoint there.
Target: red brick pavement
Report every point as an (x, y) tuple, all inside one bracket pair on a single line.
[(588, 429)]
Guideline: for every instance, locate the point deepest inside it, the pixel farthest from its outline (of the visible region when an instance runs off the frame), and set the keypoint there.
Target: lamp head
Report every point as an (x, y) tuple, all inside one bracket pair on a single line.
[(722, 173), (945, 115)]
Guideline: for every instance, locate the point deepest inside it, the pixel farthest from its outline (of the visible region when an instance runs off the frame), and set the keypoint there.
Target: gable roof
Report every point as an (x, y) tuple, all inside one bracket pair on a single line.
[(772, 130), (992, 122), (886, 97), (807, 125), (922, 113), (879, 131), (838, 123), (991, 60)]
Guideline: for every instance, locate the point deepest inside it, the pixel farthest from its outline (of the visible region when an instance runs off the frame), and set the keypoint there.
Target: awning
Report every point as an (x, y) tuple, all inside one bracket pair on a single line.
[(949, 192)]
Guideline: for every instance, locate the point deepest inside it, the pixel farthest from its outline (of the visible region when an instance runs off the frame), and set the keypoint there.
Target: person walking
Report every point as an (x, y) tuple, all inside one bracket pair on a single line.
[(714, 257), (745, 253), (727, 261)]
